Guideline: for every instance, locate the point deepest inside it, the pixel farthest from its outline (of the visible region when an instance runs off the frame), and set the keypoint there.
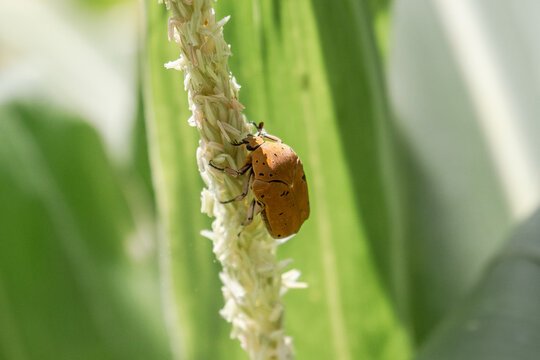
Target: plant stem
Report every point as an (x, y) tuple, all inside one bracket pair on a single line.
[(251, 275)]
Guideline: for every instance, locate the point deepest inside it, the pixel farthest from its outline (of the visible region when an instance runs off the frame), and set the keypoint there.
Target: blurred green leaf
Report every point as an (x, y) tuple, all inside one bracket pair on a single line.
[(362, 115), (140, 160), (68, 289), (100, 5), (382, 23), (278, 59), (501, 318), (456, 213)]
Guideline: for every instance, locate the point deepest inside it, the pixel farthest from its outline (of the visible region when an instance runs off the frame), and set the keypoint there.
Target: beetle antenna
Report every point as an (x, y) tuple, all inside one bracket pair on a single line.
[(258, 127)]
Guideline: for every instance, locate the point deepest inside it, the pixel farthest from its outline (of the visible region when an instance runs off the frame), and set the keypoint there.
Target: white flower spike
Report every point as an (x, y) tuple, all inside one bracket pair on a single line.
[(252, 277)]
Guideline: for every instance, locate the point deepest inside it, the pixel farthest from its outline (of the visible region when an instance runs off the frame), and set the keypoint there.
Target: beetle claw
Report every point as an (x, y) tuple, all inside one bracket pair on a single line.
[(214, 166), (238, 143)]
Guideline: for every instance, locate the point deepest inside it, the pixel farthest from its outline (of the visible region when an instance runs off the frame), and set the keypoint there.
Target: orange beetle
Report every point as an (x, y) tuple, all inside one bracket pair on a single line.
[(279, 184)]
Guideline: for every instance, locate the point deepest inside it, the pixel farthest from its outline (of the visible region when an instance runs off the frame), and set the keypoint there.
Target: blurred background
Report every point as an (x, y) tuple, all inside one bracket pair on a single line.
[(425, 171)]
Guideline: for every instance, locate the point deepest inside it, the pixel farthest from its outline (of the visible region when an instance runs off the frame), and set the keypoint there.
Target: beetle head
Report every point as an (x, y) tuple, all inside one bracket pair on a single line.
[(253, 141)]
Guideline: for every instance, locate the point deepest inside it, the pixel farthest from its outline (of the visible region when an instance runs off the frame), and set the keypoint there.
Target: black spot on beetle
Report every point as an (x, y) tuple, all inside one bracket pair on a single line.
[(256, 161), (261, 174), (279, 235), (280, 213), (275, 155), (304, 177), (270, 174), (262, 196), (264, 163)]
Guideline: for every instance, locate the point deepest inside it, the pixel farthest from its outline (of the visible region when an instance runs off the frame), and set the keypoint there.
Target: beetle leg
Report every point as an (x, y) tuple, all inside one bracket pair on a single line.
[(231, 171), (238, 143), (272, 137), (244, 192), (251, 213), (259, 207), (255, 208)]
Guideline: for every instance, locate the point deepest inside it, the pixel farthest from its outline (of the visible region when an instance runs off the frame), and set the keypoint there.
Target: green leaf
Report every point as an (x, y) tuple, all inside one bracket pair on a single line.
[(68, 289), (501, 318), (362, 115), (140, 161), (456, 212), (100, 5), (281, 62)]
